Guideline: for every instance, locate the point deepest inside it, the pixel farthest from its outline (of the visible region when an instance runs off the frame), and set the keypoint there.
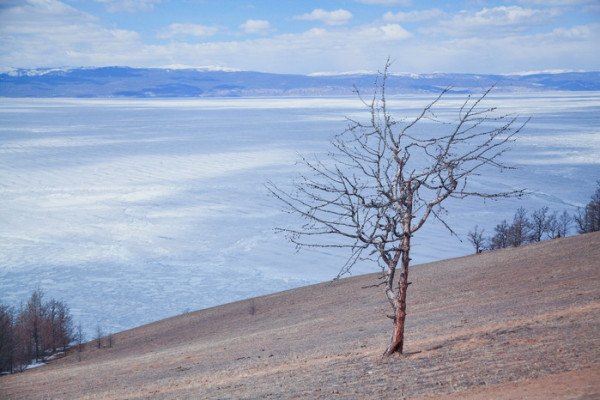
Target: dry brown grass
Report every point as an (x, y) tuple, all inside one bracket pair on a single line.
[(510, 324)]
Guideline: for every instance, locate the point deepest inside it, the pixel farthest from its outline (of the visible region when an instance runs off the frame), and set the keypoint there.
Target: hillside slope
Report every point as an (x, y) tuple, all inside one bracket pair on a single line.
[(515, 323)]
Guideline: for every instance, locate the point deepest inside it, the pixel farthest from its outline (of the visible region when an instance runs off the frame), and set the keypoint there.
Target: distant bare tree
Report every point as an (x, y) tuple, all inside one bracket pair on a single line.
[(564, 224), (62, 326), (500, 238), (35, 322), (36, 330), (252, 307), (80, 340), (540, 224), (22, 352), (520, 229), (476, 238), (588, 218), (553, 226), (386, 177), (7, 339), (98, 337)]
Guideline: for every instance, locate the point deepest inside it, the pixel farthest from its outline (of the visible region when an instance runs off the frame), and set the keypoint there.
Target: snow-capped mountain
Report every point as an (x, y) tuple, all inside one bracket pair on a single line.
[(183, 81)]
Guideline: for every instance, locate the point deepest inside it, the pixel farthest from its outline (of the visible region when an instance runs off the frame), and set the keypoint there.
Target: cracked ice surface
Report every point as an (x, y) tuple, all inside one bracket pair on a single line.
[(135, 210)]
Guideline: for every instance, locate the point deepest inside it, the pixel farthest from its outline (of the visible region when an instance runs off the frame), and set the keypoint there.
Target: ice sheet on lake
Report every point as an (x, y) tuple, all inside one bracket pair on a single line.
[(134, 210)]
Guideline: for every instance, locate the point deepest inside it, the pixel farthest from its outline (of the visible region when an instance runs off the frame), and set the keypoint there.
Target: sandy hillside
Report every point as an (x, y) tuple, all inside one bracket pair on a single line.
[(520, 323)]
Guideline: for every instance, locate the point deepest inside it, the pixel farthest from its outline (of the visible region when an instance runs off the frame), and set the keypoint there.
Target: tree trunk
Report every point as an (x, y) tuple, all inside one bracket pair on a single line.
[(397, 343)]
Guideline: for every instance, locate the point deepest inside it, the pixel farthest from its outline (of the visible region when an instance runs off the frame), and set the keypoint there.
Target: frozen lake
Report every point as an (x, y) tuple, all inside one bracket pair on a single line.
[(135, 210)]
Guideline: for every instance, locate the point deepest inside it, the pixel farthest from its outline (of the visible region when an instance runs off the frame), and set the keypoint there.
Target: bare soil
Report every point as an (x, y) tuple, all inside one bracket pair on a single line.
[(520, 323)]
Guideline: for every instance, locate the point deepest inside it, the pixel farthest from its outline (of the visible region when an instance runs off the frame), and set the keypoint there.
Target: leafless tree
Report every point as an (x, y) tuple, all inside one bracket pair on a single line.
[(386, 177), (36, 330), (61, 325), (99, 336), (80, 340), (500, 238), (252, 307), (519, 231), (35, 317), (541, 222), (564, 224), (476, 238), (588, 218), (553, 226), (7, 339), (22, 353), (558, 225)]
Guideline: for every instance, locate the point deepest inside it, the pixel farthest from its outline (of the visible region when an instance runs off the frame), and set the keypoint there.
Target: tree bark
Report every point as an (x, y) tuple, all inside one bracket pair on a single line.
[(397, 343)]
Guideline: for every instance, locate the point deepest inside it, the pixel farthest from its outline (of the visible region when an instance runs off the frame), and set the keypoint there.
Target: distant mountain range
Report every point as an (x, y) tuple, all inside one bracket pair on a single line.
[(206, 82)]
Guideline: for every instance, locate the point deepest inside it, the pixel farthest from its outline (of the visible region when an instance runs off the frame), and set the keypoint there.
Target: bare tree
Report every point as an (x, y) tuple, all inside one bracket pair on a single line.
[(500, 238), (252, 307), (520, 230), (35, 317), (99, 336), (7, 339), (385, 178), (22, 353), (564, 224), (476, 238), (80, 340), (588, 218), (541, 222), (553, 226), (56, 327), (558, 225), (34, 331)]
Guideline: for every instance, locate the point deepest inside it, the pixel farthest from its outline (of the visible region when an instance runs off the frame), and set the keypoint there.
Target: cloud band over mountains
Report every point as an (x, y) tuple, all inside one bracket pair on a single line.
[(500, 37)]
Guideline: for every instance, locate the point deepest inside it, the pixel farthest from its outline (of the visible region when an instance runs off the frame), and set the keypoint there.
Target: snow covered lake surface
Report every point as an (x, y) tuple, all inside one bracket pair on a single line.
[(136, 210)]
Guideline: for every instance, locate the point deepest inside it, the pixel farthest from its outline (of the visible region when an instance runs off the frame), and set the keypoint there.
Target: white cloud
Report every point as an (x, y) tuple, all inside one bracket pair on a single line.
[(256, 26), (394, 32), (553, 3), (317, 49), (493, 21), (412, 16), (51, 33), (578, 33), (560, 49), (387, 2), (337, 17), (27, 18), (187, 30), (128, 6)]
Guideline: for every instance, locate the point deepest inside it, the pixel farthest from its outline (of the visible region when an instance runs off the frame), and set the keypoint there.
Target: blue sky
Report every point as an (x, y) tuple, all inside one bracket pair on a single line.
[(304, 36)]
